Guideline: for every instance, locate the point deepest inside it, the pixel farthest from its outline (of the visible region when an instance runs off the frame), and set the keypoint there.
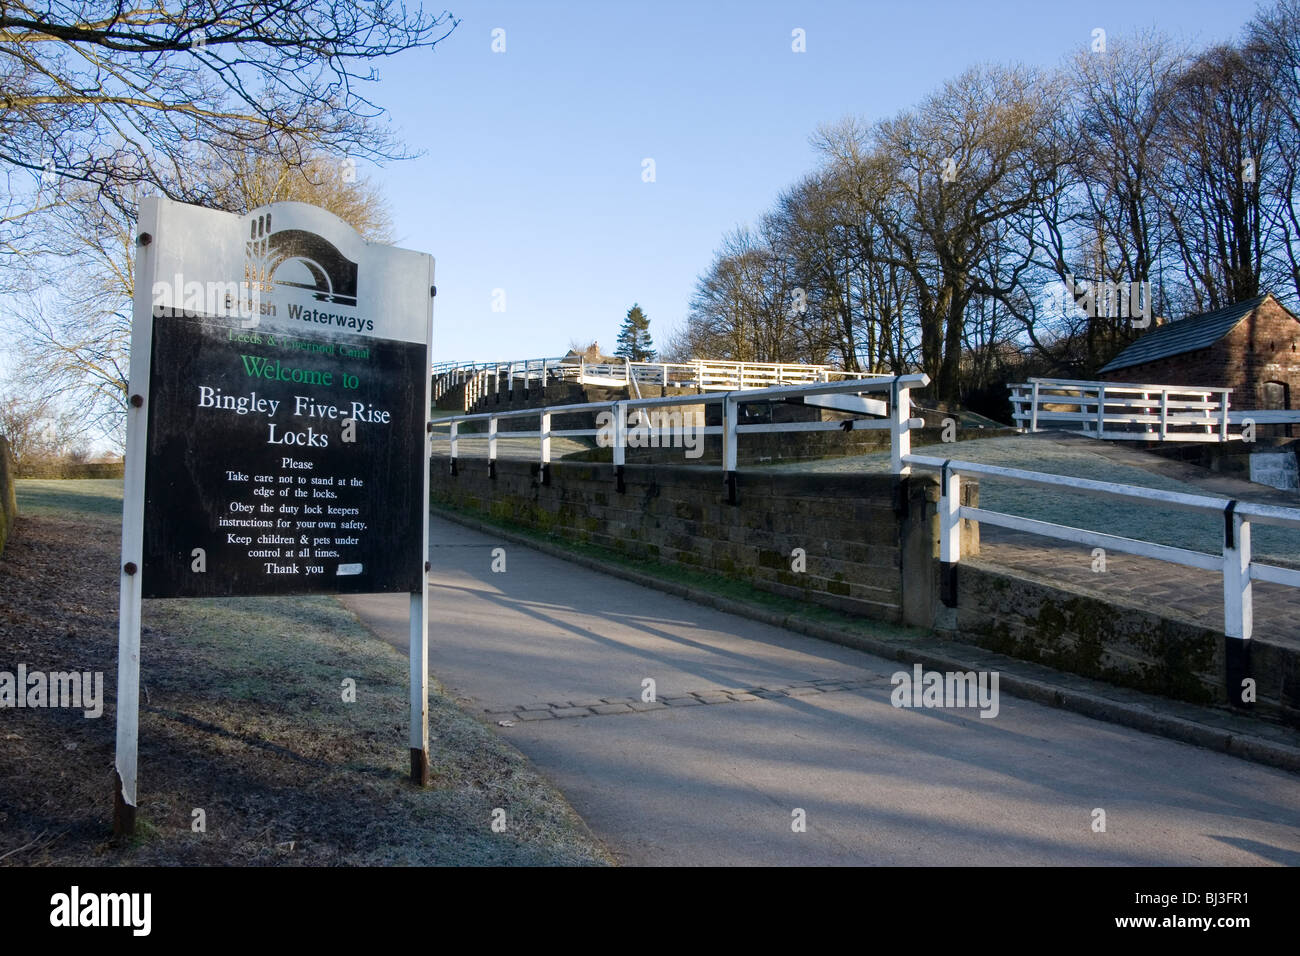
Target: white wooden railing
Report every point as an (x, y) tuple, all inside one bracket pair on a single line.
[(1124, 411), (898, 422), (482, 378), (1234, 563)]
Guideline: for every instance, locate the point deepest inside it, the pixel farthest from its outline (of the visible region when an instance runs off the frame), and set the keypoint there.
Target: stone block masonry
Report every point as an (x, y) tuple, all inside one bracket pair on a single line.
[(867, 541)]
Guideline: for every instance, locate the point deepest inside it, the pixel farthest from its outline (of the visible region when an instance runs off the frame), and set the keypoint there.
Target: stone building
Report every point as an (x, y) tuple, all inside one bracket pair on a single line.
[(1252, 347)]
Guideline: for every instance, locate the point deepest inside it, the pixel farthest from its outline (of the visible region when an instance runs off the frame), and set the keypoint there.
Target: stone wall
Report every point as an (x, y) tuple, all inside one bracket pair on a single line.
[(868, 540), (1106, 640)]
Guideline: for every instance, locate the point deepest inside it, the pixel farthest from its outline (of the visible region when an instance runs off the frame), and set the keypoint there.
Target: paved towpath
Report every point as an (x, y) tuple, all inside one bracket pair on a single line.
[(753, 723)]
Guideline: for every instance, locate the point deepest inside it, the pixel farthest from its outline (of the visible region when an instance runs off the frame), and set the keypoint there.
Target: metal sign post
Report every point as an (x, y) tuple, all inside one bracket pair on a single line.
[(277, 433)]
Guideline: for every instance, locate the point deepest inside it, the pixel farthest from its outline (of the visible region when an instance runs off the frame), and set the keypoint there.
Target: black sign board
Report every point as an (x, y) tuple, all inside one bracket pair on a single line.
[(282, 463)]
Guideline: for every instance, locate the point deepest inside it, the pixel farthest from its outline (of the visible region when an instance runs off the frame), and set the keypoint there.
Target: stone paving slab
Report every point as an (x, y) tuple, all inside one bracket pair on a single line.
[(629, 705)]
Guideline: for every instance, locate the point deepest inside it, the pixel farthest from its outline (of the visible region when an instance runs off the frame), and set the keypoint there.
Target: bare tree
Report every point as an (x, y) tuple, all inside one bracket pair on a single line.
[(34, 430), (106, 96), (940, 183), (743, 306), (1223, 142), (74, 332), (1273, 52)]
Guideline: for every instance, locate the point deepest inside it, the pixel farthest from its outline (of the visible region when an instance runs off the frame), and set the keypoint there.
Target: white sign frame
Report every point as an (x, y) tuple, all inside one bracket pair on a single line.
[(208, 246)]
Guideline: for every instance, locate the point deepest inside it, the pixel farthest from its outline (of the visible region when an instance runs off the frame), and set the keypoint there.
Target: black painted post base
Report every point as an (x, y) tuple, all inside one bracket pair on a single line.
[(948, 583), (123, 812), (419, 767), (1236, 666)]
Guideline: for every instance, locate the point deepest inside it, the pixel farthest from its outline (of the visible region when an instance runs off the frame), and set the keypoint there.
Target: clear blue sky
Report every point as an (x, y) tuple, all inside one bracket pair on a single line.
[(531, 178)]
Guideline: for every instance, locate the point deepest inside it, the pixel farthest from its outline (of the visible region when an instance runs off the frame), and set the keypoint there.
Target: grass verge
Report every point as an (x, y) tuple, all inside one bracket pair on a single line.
[(242, 718)]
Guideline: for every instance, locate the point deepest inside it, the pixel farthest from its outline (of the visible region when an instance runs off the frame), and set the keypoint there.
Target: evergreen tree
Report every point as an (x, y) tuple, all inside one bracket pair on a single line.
[(634, 337)]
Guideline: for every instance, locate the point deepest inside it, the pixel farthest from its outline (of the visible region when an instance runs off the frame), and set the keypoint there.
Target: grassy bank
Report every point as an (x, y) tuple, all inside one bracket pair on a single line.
[(243, 718)]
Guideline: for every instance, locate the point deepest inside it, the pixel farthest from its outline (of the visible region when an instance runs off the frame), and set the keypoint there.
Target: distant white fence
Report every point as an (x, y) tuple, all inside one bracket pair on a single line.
[(485, 378), (710, 376), (1122, 411), (480, 378), (897, 420)]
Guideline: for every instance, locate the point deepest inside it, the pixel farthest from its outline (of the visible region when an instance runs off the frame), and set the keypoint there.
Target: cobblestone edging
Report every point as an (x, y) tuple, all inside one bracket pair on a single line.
[(608, 706)]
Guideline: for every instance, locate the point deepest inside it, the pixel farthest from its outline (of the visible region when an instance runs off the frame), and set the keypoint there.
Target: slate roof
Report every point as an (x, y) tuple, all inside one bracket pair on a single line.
[(1175, 338)]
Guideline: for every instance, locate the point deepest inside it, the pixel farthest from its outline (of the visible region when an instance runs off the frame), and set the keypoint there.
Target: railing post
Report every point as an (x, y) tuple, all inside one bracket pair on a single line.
[(1101, 411), (1238, 606), (900, 413), (1223, 419), (620, 444), (1033, 410), (544, 471), (454, 447), (492, 447), (730, 419), (949, 534), (1164, 413)]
